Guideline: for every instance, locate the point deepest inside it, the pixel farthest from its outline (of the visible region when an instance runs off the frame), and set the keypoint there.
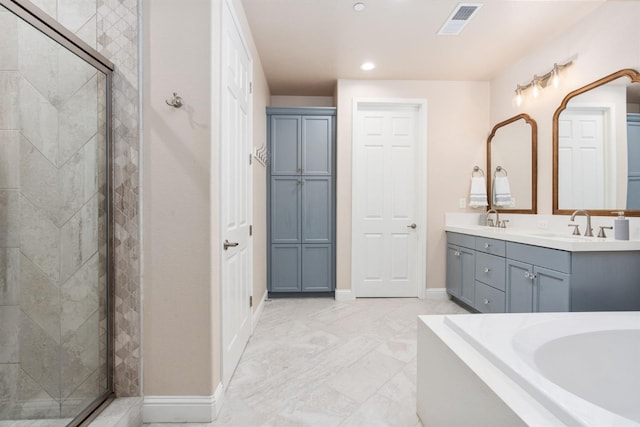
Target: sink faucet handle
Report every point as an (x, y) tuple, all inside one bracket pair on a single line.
[(576, 229), (490, 222), (601, 232), (503, 223)]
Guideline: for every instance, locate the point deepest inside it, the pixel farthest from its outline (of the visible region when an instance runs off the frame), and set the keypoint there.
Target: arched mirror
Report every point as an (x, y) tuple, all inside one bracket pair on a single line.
[(512, 165), (596, 147)]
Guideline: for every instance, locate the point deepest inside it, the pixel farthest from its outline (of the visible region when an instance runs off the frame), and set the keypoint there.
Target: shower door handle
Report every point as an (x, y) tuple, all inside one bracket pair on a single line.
[(228, 244)]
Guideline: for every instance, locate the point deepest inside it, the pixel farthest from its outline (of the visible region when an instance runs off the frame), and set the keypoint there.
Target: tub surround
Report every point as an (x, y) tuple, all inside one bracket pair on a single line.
[(494, 371)]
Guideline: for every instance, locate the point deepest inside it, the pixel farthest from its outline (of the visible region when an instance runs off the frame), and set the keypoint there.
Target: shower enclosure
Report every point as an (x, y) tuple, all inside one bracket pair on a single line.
[(55, 246)]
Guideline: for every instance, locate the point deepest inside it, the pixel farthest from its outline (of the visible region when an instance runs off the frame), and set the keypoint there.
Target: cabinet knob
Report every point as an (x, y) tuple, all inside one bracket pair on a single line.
[(486, 301), (456, 253), (528, 275), (487, 269), (487, 245)]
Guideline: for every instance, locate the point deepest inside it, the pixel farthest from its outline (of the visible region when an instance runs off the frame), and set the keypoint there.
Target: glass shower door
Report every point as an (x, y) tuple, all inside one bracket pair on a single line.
[(53, 228)]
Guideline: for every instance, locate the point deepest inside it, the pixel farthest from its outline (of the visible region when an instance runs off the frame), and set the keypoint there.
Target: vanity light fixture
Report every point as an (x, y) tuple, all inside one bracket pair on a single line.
[(540, 82), (555, 79), (536, 86), (518, 96), (368, 66)]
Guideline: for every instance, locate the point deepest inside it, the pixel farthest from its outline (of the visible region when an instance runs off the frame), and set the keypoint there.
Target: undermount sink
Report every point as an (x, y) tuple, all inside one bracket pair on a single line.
[(558, 236)]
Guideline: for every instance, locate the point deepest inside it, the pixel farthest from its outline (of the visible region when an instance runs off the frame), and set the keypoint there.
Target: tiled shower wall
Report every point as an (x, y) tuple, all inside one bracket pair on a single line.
[(111, 27)]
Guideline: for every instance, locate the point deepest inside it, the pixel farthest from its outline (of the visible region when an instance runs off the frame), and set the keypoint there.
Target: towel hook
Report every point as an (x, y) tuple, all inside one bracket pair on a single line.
[(176, 101), (500, 169), (477, 169)]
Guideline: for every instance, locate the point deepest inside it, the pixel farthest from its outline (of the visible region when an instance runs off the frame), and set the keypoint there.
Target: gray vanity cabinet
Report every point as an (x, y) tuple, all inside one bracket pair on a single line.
[(538, 279), (461, 268), (301, 200)]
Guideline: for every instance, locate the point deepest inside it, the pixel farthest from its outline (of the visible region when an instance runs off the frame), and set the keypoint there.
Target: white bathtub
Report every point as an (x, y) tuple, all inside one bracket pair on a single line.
[(577, 369)]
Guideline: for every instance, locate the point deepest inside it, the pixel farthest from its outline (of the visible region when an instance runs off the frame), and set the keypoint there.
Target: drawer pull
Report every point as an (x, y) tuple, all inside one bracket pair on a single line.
[(486, 301), (487, 269), (487, 245)]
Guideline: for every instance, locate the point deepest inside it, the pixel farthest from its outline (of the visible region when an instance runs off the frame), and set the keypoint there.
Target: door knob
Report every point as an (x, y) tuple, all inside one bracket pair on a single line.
[(412, 226), (228, 244)]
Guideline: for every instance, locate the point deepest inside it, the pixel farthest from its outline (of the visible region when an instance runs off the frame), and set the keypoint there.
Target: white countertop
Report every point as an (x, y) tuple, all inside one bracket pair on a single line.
[(548, 239)]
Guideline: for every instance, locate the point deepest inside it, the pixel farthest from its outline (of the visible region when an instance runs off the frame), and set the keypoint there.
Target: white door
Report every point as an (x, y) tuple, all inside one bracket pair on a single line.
[(581, 159), (387, 192), (236, 194)]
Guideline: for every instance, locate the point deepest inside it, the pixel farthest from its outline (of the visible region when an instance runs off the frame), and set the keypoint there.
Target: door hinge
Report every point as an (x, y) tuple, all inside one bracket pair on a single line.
[(251, 301), (250, 87), (250, 158), (251, 230)]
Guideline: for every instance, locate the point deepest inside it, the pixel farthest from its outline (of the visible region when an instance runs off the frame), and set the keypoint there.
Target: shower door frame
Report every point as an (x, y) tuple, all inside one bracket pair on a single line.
[(34, 16)]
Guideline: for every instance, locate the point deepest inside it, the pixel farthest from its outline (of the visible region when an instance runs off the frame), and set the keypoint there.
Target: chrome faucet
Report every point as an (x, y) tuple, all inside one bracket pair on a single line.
[(589, 231), (490, 222)]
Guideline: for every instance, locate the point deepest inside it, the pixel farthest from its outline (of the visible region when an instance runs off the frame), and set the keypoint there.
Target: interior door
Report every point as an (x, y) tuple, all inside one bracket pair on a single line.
[(581, 159), (385, 201), (633, 161), (236, 194)]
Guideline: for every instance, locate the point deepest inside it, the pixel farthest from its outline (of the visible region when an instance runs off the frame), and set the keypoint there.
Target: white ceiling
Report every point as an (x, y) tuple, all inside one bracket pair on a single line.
[(306, 45)]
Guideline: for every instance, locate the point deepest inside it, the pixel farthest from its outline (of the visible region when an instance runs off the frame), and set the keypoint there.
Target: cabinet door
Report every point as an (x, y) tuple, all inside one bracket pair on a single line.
[(551, 290), (519, 287), (316, 268), (467, 273), (285, 209), (286, 273), (317, 141), (316, 210), (285, 145), (453, 270)]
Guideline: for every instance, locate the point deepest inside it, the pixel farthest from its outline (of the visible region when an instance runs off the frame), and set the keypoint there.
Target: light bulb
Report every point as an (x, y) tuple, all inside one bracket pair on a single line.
[(536, 87), (518, 97), (556, 78)]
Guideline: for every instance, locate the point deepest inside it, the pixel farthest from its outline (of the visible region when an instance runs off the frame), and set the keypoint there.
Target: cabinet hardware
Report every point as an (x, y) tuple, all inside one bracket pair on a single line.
[(456, 253), (487, 245), (487, 269), (486, 301)]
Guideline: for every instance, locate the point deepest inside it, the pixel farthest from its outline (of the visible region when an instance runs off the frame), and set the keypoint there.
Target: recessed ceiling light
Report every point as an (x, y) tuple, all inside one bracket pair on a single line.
[(367, 66), (358, 7)]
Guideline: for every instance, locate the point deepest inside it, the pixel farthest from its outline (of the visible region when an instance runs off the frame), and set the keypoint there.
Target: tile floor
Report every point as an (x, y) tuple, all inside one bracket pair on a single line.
[(320, 362)]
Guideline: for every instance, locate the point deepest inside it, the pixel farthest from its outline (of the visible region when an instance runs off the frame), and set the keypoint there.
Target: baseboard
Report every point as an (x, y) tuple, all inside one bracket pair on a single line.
[(258, 312), (182, 409), (437, 294), (345, 295)]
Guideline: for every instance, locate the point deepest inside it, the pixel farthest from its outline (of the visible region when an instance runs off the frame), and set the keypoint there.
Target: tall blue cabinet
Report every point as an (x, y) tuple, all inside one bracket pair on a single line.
[(301, 200)]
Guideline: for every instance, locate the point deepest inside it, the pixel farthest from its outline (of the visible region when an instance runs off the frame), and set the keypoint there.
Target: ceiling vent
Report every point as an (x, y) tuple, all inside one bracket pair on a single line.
[(458, 19)]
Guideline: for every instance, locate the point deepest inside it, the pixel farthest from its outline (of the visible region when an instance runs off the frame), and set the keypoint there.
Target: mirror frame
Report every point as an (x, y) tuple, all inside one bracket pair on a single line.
[(534, 164), (634, 77)]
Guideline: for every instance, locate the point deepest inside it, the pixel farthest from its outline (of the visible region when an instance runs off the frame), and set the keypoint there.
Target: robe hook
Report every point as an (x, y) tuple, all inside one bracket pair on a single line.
[(176, 101)]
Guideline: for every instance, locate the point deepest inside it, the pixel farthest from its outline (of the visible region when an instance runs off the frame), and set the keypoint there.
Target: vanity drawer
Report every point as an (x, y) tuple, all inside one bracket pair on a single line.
[(490, 246), (490, 269), (463, 240), (488, 299), (553, 259)]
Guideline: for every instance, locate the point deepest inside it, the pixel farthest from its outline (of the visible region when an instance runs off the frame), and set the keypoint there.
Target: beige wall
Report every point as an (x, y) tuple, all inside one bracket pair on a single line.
[(457, 127), (604, 42), (302, 101), (177, 203), (181, 247)]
